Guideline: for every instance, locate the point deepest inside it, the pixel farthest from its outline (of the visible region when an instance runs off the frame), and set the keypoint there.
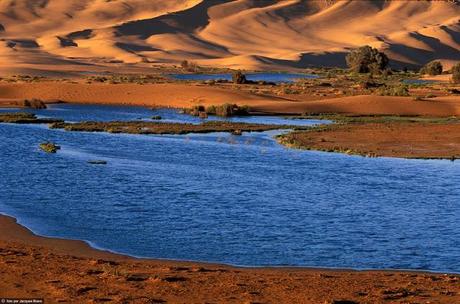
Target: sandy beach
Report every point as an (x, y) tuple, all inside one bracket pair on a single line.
[(64, 271)]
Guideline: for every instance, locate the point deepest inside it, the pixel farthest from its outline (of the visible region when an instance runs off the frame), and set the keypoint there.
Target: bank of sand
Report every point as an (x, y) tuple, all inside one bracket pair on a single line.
[(72, 272), (398, 139), (187, 95)]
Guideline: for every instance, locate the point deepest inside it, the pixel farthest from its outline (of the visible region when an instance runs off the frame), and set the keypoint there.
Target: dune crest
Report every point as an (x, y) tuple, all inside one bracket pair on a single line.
[(90, 35)]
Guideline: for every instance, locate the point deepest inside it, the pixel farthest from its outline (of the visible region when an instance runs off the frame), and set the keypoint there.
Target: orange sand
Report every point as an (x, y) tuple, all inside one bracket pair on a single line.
[(184, 95), (70, 271), (58, 37)]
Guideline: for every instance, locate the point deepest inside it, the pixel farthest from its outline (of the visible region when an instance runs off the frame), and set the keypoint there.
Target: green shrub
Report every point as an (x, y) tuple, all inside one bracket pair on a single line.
[(190, 66), (227, 110), (367, 59), (238, 78), (456, 73), (34, 104), (400, 90), (432, 68), (49, 147)]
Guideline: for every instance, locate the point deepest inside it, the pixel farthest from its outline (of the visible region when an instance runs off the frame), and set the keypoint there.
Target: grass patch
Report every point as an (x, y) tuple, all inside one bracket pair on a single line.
[(25, 118), (49, 147), (135, 127), (225, 110)]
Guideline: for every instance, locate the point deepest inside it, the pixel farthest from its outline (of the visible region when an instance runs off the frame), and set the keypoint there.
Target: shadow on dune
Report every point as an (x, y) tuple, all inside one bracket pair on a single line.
[(453, 34), (421, 56), (326, 59), (187, 21), (66, 42), (133, 48), (84, 34)]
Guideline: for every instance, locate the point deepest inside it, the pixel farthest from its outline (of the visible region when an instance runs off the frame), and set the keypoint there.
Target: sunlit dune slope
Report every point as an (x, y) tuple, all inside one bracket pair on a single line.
[(99, 35)]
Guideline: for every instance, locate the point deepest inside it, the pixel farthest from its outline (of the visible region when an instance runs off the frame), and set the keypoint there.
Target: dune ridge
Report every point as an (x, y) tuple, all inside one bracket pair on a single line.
[(99, 35)]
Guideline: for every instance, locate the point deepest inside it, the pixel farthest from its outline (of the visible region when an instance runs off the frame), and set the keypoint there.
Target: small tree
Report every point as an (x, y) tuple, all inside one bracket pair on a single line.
[(432, 68), (238, 77), (184, 64), (367, 59), (456, 73)]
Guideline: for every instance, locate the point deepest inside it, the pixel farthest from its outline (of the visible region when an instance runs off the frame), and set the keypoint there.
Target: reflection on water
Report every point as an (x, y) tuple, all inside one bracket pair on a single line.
[(234, 199)]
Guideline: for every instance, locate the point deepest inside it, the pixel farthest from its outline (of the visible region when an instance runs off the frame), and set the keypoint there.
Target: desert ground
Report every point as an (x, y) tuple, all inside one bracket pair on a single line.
[(120, 52), (63, 271), (178, 95)]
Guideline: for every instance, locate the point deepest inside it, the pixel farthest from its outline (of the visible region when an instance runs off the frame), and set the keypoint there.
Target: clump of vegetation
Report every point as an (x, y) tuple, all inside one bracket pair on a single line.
[(23, 78), (190, 66), (399, 90), (49, 147), (145, 127), (239, 78), (367, 59), (456, 73), (195, 110), (128, 78), (228, 110), (25, 118), (432, 68), (225, 110), (33, 104)]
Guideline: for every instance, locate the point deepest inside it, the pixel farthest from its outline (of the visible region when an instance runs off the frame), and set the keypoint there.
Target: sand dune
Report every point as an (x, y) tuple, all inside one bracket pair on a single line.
[(35, 35)]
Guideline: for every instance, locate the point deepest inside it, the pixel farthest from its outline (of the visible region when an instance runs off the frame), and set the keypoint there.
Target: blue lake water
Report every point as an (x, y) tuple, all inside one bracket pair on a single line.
[(419, 81), (241, 200), (270, 77)]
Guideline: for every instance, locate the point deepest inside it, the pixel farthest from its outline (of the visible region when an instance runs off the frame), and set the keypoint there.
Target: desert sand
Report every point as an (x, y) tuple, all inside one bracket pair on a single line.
[(187, 95), (74, 36), (63, 271)]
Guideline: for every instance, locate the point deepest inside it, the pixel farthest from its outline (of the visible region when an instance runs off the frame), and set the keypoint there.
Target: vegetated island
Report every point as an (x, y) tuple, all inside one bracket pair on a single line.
[(403, 137), (371, 136)]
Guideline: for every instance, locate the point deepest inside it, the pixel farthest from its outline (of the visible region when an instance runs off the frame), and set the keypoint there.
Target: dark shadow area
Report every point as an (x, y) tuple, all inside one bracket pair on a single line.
[(455, 35), (131, 47), (187, 21), (84, 34), (307, 60), (66, 42), (25, 43)]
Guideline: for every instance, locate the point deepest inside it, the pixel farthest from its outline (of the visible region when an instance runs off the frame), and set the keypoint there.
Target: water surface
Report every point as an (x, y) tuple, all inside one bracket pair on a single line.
[(241, 200), (269, 77)]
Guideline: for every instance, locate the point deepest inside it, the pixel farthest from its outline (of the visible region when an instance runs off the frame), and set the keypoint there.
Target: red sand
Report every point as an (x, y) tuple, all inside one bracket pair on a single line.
[(184, 95), (72, 272)]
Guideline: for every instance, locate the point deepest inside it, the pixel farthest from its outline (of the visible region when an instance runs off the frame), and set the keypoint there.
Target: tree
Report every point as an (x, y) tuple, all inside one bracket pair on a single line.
[(184, 64), (456, 73), (238, 77), (432, 68), (367, 59)]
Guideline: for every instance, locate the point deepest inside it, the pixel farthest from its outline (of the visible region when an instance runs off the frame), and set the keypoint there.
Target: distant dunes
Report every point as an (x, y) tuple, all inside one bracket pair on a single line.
[(55, 36)]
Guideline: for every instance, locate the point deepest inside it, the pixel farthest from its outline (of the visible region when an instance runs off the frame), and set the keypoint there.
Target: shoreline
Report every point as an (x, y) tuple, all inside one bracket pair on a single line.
[(179, 95), (23, 234), (72, 269)]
